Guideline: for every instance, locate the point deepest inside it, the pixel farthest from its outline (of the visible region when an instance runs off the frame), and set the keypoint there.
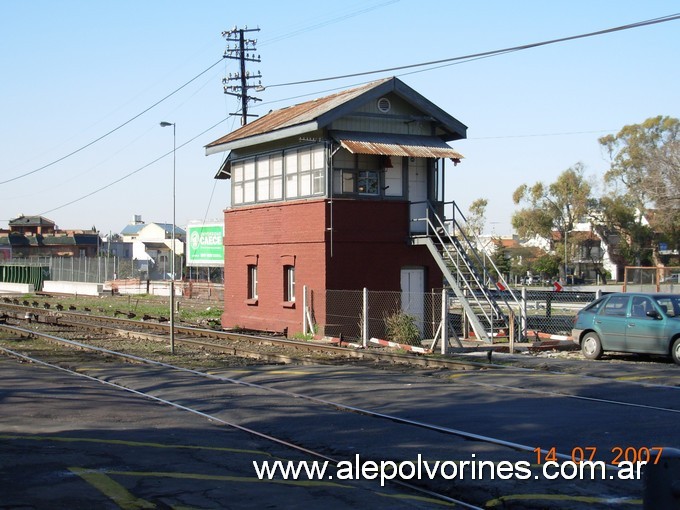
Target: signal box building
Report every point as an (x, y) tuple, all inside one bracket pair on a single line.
[(328, 194)]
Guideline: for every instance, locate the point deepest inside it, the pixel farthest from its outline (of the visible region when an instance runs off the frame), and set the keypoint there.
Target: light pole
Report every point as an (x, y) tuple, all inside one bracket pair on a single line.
[(172, 250)]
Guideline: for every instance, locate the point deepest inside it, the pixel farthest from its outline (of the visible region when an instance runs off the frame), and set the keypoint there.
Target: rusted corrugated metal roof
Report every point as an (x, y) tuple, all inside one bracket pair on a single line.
[(294, 115), (393, 149), (320, 113), (397, 145)]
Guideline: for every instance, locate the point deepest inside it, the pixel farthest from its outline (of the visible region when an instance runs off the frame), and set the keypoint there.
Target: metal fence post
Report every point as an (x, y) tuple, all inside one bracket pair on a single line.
[(364, 321), (511, 333), (445, 322), (523, 314), (304, 309)]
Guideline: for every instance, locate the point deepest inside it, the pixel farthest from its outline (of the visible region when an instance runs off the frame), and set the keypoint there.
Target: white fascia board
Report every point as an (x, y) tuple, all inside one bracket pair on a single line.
[(271, 136)]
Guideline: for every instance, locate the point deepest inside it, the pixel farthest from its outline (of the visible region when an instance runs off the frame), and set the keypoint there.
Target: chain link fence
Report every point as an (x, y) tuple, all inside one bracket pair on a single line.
[(102, 269), (540, 311), (81, 269), (551, 312)]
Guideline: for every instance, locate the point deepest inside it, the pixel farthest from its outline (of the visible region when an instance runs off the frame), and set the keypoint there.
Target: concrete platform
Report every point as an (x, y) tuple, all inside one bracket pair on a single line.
[(76, 288), (16, 288)]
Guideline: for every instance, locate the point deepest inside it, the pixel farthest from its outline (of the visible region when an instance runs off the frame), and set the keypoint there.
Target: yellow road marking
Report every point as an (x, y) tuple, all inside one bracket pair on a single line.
[(227, 478), (416, 498), (133, 443), (111, 489), (636, 377)]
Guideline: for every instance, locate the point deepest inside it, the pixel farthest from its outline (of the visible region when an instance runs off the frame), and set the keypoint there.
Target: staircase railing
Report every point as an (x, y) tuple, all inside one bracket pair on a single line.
[(473, 276)]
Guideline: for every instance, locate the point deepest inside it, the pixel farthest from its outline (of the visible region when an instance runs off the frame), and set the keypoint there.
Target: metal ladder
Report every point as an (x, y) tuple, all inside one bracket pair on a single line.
[(483, 294)]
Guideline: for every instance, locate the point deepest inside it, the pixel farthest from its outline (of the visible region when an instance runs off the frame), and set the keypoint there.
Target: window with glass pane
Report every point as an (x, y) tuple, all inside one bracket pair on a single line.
[(276, 170), (367, 182), (289, 283), (249, 181), (318, 182), (616, 306), (237, 182), (305, 184), (263, 179), (291, 165), (348, 181), (252, 281)]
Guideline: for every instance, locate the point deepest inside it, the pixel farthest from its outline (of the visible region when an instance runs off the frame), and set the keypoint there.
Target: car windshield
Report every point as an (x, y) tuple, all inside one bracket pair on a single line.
[(670, 305)]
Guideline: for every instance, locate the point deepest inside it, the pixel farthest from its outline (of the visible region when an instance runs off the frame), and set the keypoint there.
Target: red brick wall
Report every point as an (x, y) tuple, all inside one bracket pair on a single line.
[(272, 236), (368, 248)]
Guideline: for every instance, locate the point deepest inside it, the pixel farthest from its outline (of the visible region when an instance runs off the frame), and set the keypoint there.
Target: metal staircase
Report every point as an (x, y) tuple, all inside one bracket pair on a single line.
[(485, 299)]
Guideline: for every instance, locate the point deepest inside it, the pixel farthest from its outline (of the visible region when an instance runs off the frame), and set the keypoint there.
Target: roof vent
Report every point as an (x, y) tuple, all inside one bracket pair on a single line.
[(384, 105)]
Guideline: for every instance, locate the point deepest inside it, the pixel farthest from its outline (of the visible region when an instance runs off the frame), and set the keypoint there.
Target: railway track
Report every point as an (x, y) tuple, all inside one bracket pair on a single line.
[(226, 341), (423, 491), (75, 322)]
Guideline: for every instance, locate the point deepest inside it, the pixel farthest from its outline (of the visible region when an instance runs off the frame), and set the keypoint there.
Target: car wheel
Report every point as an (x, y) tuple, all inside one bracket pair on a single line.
[(591, 347), (675, 351)]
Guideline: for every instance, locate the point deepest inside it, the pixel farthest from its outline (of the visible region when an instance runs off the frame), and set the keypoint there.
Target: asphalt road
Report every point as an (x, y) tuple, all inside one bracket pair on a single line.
[(69, 442), (72, 443)]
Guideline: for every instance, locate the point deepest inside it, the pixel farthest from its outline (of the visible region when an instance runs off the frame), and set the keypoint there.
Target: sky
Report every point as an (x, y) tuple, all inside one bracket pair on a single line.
[(86, 84)]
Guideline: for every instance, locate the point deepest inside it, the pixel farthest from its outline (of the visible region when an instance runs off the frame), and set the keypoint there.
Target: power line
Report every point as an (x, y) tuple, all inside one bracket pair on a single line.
[(111, 131), (638, 24), (133, 172), (450, 61)]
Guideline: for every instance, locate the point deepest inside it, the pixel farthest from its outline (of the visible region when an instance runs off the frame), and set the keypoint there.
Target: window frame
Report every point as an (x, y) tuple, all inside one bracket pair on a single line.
[(251, 294), (288, 284), (607, 309), (292, 174)]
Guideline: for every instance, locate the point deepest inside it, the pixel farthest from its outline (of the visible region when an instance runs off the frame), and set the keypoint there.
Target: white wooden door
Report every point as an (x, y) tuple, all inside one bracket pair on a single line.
[(417, 193), (413, 294)]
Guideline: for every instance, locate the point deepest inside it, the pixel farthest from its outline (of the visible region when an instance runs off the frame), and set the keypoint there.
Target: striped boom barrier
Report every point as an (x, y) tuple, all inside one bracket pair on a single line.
[(405, 347)]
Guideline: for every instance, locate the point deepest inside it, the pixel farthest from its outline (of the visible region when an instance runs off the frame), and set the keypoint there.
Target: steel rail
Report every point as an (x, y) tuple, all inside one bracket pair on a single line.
[(214, 418), (339, 406), (412, 359)]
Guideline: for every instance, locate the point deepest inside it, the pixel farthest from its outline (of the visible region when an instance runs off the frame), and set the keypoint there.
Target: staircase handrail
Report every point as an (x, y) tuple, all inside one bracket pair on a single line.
[(481, 287), (502, 280)]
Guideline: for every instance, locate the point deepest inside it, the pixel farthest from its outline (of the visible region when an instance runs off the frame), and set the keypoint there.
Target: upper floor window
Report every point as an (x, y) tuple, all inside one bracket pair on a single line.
[(362, 182), (291, 174)]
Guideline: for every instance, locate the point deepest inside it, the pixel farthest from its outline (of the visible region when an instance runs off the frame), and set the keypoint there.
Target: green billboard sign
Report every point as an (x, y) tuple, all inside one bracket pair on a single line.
[(205, 245)]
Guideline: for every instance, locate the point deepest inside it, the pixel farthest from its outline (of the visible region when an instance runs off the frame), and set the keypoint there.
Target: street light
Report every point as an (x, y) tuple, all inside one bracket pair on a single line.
[(172, 263)]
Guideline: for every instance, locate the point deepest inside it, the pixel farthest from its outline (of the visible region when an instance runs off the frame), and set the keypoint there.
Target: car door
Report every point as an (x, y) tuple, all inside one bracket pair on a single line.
[(611, 323), (645, 333)]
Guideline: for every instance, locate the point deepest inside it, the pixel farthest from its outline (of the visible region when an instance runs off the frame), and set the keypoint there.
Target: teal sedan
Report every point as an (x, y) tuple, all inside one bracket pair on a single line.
[(630, 322)]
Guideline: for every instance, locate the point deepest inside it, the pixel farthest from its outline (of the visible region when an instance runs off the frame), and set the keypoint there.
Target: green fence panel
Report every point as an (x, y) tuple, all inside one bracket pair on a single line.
[(34, 275)]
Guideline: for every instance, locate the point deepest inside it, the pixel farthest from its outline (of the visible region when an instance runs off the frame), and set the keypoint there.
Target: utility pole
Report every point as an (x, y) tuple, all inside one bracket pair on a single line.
[(243, 51)]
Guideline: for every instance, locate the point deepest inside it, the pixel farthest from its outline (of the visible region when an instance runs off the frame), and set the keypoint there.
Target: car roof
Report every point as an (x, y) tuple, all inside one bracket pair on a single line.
[(648, 294)]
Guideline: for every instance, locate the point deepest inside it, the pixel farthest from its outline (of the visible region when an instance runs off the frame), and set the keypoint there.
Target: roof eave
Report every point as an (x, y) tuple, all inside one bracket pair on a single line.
[(457, 129), (271, 136)]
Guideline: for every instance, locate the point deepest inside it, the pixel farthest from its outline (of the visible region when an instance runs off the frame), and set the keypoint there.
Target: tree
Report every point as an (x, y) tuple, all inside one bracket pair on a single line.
[(502, 259), (476, 218), (556, 207), (547, 265), (645, 174)]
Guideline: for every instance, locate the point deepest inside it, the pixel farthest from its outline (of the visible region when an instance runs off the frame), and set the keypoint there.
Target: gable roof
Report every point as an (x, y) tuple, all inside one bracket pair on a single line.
[(138, 227), (31, 220), (319, 113)]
